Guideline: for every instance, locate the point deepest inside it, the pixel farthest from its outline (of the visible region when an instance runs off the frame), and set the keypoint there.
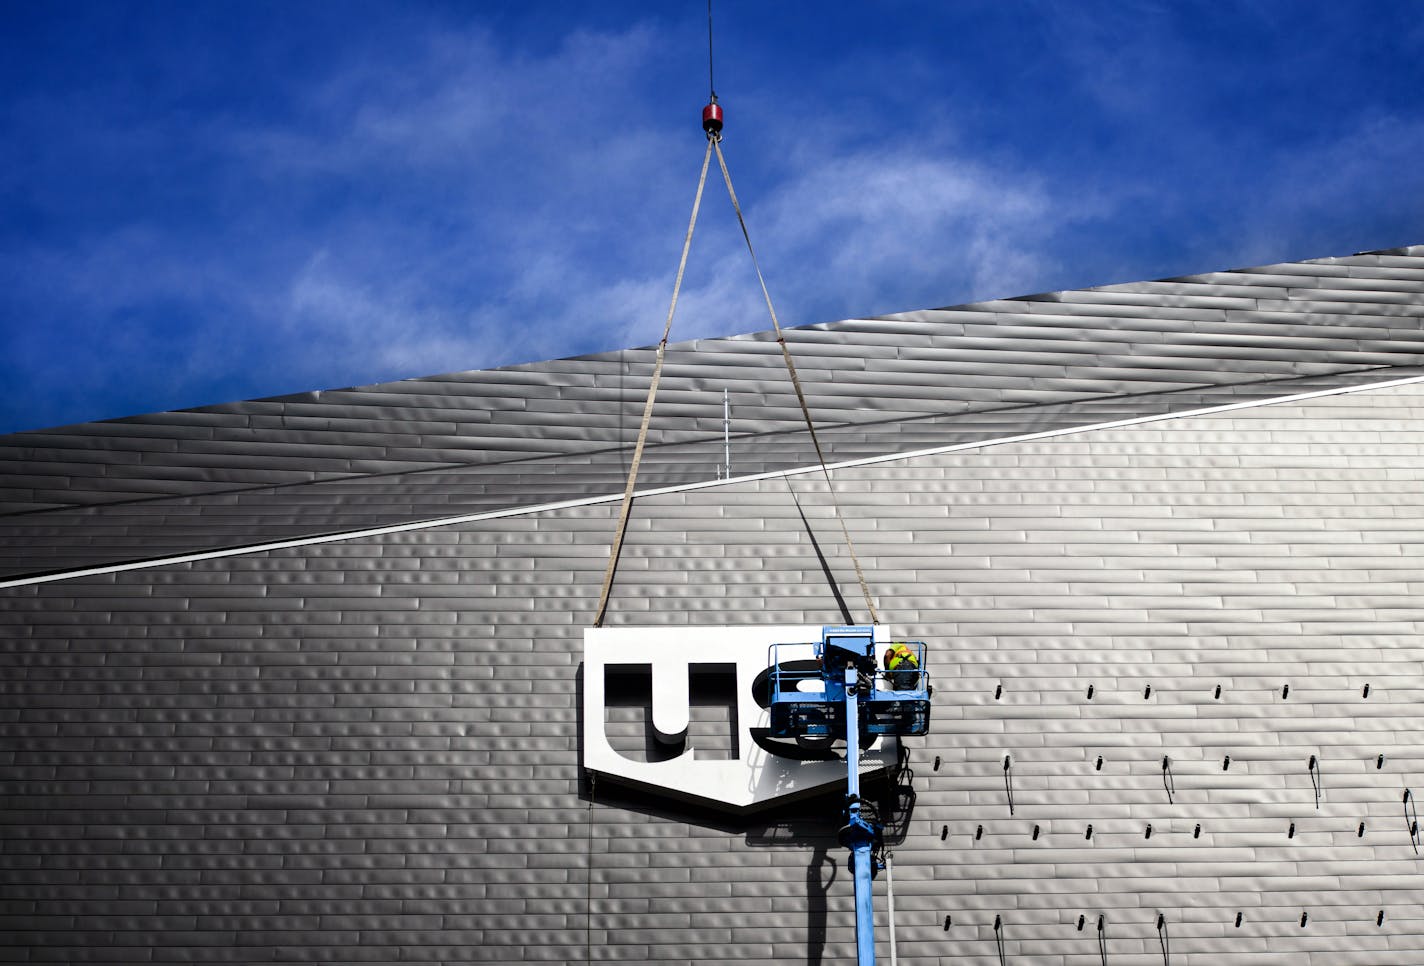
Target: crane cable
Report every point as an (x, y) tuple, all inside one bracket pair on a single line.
[(711, 81), (712, 125)]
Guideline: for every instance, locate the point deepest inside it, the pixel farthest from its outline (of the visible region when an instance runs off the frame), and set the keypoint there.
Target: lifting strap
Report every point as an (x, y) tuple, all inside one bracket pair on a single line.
[(796, 383), (617, 548), (714, 142)]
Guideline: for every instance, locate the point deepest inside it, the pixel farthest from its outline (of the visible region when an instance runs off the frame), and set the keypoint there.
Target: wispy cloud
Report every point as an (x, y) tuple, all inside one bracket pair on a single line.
[(1370, 164), (892, 224)]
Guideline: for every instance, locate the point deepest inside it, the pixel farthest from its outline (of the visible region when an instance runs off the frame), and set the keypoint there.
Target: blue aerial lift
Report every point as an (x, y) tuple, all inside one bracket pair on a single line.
[(842, 694)]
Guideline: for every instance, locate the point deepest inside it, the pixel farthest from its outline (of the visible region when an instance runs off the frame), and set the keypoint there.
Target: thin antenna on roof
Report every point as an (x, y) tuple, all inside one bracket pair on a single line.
[(727, 434)]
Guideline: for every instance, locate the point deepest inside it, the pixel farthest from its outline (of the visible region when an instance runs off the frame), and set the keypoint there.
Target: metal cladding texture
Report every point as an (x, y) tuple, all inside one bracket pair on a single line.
[(474, 442), (367, 751)]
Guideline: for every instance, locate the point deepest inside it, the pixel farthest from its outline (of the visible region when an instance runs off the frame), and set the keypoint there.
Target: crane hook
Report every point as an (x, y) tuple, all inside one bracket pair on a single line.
[(712, 120)]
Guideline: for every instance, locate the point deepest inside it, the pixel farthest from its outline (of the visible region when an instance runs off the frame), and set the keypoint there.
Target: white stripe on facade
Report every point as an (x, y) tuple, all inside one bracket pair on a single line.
[(686, 487)]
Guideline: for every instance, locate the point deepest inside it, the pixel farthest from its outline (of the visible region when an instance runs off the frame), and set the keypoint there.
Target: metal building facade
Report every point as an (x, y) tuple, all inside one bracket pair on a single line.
[(364, 747)]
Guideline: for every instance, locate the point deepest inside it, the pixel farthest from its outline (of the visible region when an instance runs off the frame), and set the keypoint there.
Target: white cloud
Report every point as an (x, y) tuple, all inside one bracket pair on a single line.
[(1372, 164), (874, 230), (845, 232)]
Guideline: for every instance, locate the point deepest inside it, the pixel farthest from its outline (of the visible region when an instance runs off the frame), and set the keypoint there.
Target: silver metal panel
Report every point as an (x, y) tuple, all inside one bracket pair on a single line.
[(342, 753)]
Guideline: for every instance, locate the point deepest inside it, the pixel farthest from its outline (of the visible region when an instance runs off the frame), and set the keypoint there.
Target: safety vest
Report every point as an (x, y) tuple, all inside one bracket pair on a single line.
[(900, 654)]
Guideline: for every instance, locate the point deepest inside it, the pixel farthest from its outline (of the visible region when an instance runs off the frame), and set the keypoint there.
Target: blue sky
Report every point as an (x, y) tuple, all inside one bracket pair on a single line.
[(213, 201)]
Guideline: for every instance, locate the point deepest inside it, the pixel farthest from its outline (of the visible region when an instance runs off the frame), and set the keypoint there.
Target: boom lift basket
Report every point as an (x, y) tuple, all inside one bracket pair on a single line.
[(807, 702)]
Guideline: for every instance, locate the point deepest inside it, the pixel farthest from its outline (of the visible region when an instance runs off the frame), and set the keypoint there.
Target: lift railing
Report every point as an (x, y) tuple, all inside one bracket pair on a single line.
[(891, 702)]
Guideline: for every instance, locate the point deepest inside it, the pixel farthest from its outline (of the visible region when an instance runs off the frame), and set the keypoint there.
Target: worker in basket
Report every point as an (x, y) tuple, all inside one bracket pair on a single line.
[(901, 668)]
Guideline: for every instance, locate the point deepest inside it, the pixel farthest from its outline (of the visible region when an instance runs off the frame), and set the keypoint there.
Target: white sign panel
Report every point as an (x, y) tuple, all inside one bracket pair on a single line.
[(764, 770)]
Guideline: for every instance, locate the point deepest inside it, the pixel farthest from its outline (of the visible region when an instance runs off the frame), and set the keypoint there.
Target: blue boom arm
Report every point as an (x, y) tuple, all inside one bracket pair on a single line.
[(843, 697)]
